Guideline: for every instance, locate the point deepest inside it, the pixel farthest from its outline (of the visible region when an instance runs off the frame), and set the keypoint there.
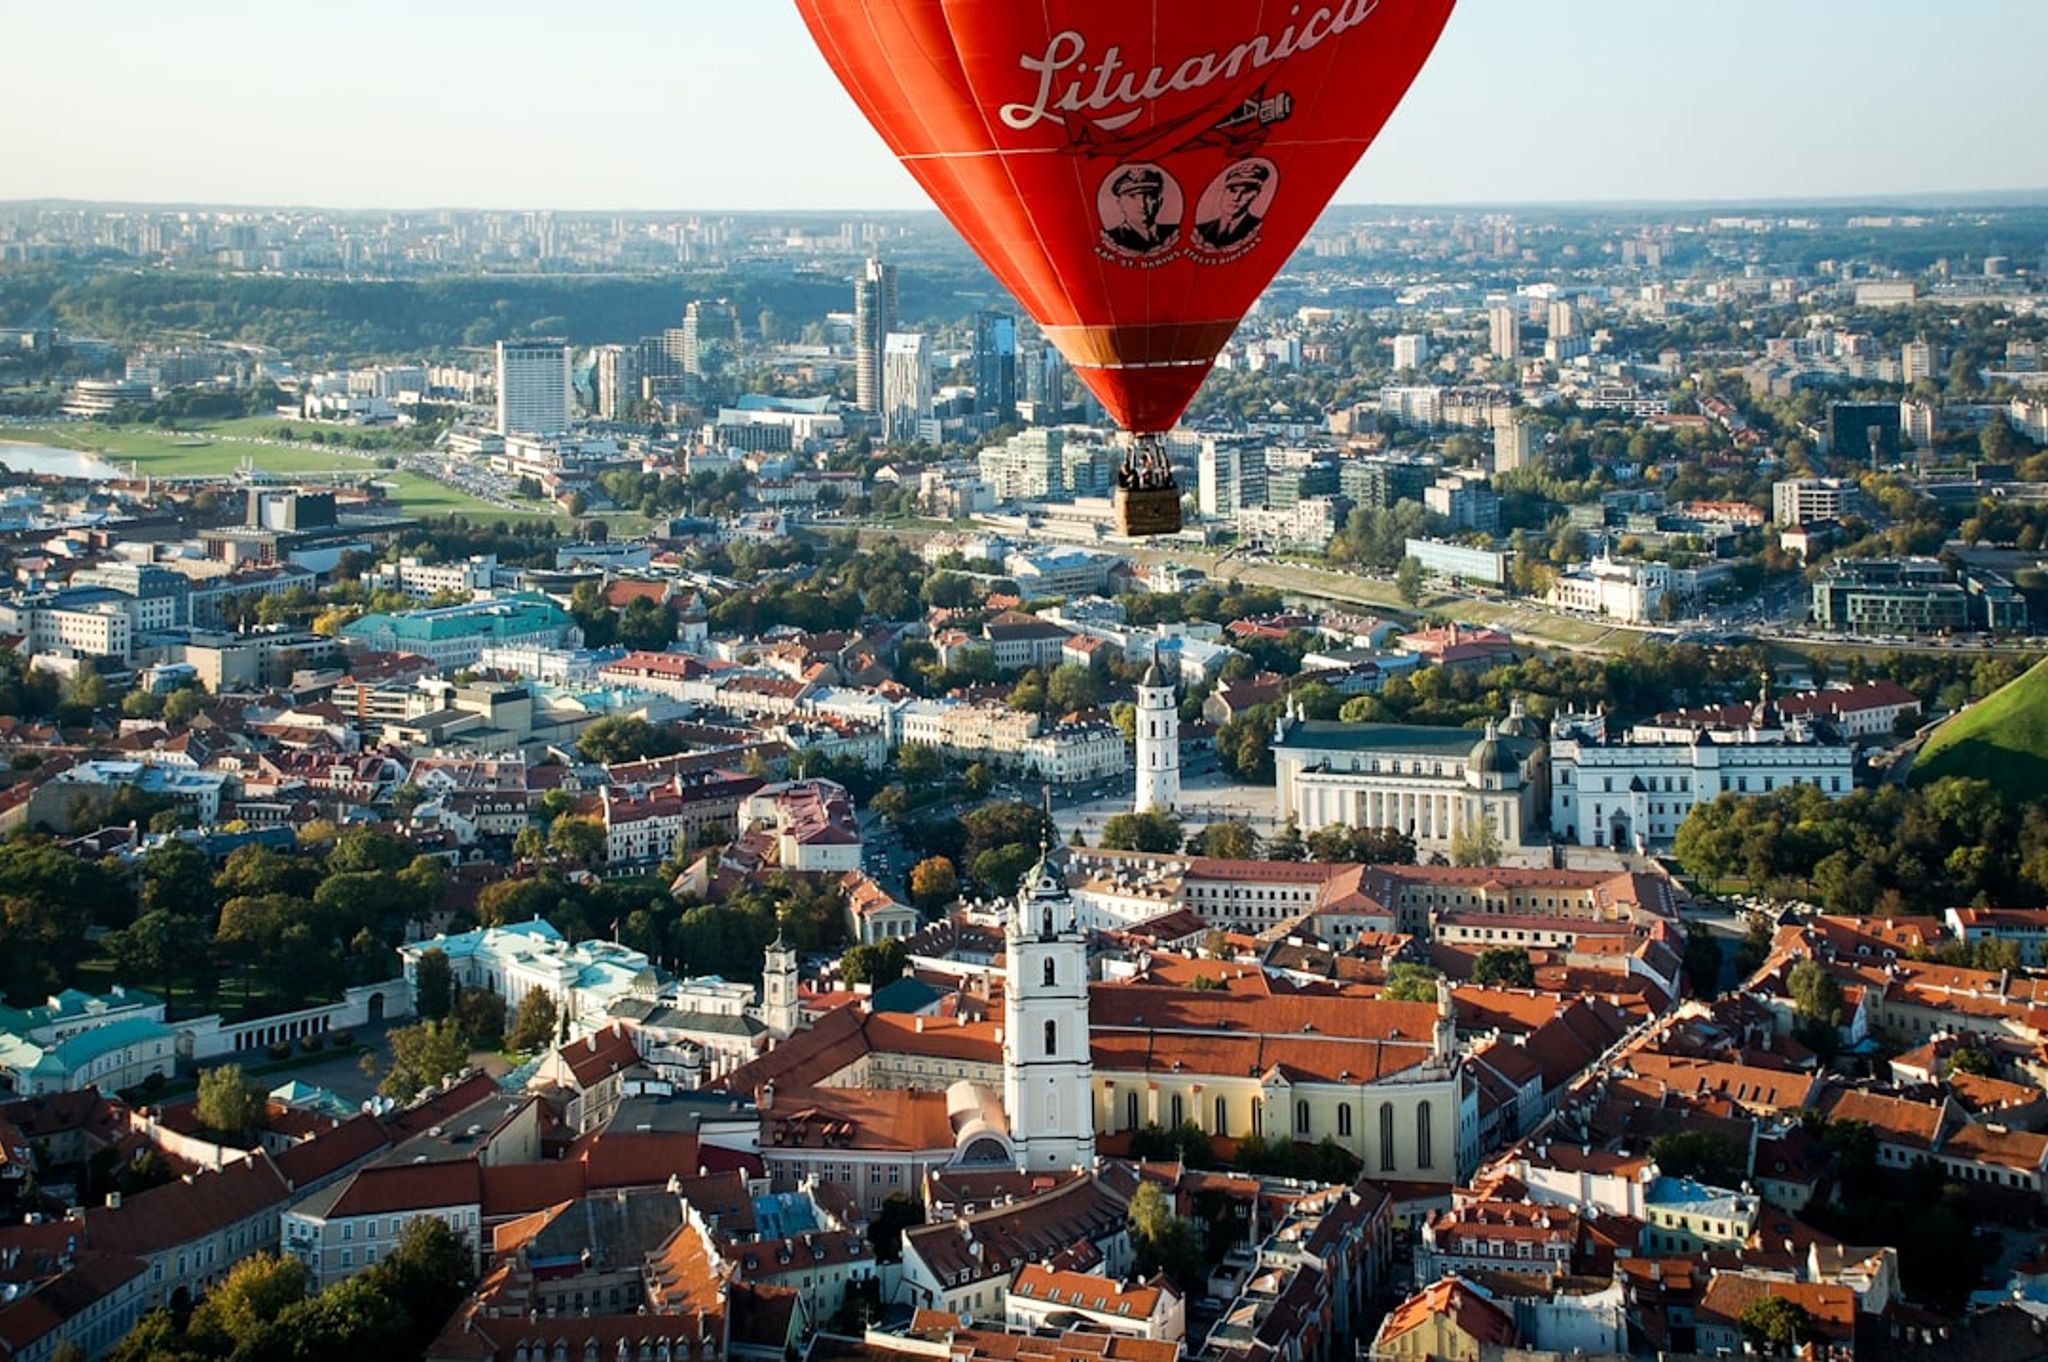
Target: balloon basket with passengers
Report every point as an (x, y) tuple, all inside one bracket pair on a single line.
[(1147, 497)]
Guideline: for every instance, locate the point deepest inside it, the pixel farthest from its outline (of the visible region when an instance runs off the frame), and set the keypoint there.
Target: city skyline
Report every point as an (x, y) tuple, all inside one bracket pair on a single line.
[(403, 109)]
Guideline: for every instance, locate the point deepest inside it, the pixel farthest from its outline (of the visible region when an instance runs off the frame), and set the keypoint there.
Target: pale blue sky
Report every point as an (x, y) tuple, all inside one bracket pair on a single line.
[(724, 104)]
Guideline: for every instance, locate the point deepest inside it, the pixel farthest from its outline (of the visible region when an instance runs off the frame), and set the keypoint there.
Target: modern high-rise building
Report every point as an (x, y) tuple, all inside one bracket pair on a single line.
[(1410, 352), (1229, 476), (906, 385), (615, 379), (533, 387), (1564, 318), (995, 367), (1504, 331), (711, 332), (874, 317)]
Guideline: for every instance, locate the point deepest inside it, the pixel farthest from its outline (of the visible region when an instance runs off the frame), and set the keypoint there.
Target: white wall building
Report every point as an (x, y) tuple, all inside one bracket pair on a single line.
[(906, 385), (1624, 591), (1158, 743), (534, 392)]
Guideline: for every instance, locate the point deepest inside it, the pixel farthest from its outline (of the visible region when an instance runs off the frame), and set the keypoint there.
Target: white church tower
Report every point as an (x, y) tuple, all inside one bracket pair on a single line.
[(1048, 1073), (1158, 742), (781, 1011)]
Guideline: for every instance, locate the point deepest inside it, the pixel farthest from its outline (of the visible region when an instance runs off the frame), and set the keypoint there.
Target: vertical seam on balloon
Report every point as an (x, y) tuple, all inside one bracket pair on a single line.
[(1003, 160)]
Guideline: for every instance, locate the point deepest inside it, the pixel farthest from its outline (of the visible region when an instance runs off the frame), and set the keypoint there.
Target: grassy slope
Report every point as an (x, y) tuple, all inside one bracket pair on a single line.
[(2003, 738)]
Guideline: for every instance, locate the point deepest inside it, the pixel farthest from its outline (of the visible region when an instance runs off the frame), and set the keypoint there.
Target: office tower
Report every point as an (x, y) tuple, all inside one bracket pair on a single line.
[(616, 379), (1229, 476), (711, 334), (533, 387), (1410, 352), (1504, 328), (874, 317), (906, 385), (995, 367)]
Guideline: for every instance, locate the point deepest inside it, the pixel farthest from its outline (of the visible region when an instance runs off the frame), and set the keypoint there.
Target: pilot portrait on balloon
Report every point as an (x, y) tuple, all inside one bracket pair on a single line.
[(1229, 213), (1141, 207)]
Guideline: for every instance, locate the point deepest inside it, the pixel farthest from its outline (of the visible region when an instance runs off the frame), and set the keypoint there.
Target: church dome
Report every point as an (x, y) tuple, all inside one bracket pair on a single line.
[(1492, 756), (1519, 724)]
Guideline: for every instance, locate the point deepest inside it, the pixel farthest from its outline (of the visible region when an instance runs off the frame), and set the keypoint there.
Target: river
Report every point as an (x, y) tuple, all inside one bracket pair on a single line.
[(62, 463)]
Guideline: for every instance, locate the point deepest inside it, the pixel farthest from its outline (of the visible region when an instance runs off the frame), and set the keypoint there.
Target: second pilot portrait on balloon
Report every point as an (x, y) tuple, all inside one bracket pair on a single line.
[(1234, 205)]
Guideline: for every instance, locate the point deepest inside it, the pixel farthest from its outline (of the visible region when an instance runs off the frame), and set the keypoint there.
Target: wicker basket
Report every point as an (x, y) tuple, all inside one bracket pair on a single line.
[(1145, 511)]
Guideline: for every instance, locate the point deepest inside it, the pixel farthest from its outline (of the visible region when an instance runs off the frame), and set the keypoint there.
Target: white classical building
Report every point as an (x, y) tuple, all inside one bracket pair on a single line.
[(1158, 725), (1427, 782), (585, 979), (1626, 591), (1635, 792)]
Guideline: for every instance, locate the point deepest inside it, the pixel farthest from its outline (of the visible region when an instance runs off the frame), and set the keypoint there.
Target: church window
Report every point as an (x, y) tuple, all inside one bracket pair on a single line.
[(1180, 1114), (1259, 1116), (1051, 974), (1423, 1157), (1222, 1118), (1386, 1136), (1130, 1111), (1052, 1038), (1301, 1118), (1047, 928), (1344, 1118)]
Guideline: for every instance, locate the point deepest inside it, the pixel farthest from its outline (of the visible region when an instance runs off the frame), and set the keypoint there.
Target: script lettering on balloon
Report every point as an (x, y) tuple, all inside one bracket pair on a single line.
[(1119, 95)]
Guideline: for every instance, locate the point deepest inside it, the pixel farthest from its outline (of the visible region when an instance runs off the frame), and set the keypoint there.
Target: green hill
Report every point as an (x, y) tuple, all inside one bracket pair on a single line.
[(2003, 738)]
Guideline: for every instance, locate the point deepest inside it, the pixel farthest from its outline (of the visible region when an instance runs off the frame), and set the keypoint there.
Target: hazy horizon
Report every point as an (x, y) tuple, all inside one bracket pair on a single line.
[(1580, 103)]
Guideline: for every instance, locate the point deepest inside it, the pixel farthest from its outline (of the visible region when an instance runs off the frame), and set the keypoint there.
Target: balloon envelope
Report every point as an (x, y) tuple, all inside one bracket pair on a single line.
[(1134, 171)]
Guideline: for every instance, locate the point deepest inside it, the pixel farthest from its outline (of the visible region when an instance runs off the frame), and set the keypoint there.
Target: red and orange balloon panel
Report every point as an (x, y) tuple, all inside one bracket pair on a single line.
[(1134, 171)]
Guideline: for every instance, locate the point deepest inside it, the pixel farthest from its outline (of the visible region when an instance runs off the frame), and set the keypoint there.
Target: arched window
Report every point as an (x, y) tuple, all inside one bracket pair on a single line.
[(1423, 1158), (1344, 1119), (1222, 1118), (1180, 1114), (1047, 929), (1130, 1111), (1386, 1136), (1052, 1038), (1259, 1116), (1052, 973), (1301, 1117)]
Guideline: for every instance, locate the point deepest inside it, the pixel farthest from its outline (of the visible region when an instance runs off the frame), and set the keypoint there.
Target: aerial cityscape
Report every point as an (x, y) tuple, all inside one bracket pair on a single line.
[(1156, 759)]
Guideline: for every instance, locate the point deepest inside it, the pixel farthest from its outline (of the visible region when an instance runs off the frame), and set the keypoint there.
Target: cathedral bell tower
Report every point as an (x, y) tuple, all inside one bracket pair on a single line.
[(1048, 1073), (781, 1012), (1158, 755)]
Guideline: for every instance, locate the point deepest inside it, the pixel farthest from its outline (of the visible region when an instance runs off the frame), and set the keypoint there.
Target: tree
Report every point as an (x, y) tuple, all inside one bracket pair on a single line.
[(423, 1055), (350, 1320), (874, 964), (1504, 967), (479, 1016), (933, 884), (1971, 1059), (426, 1275), (228, 1106), (433, 984), (1410, 983), (177, 878), (580, 841), (625, 737), (1777, 1327), (885, 1231), (361, 850), (1228, 842), (1816, 1005), (1072, 687), (157, 948), (1285, 845), (182, 706), (916, 763), (1703, 1155), (1163, 1241), (1702, 960), (1408, 580), (533, 1025), (1143, 832), (1475, 843), (647, 626), (257, 1290), (1001, 869)]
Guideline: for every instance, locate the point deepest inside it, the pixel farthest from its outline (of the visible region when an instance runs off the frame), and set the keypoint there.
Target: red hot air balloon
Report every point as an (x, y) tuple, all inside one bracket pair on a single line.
[(1133, 171)]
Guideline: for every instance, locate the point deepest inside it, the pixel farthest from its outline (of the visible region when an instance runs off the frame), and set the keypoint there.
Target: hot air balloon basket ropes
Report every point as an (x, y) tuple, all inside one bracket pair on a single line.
[(1147, 498)]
